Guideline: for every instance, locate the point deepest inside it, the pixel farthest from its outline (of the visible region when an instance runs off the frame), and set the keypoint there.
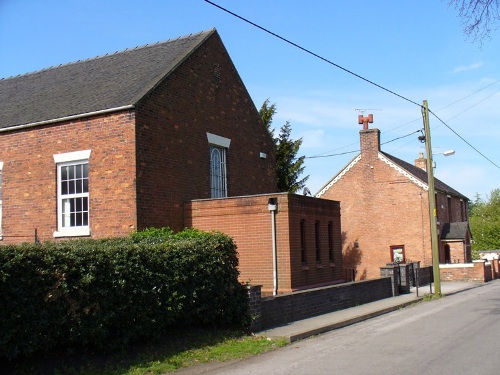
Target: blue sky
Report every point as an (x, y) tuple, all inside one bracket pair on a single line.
[(414, 48)]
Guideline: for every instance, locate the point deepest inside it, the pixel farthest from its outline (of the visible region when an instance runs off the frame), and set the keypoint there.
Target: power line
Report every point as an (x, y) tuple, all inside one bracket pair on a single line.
[(463, 139), (349, 72), (404, 136), (351, 152), (472, 106), (452, 103), (312, 53), (327, 156), (467, 96)]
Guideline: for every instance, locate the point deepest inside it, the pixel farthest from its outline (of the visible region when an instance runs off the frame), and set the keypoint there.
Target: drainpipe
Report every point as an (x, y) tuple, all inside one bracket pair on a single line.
[(273, 208)]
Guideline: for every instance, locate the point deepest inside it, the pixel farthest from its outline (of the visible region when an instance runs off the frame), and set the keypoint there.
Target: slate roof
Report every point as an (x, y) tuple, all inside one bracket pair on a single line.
[(101, 83), (422, 176), (416, 172), (455, 231)]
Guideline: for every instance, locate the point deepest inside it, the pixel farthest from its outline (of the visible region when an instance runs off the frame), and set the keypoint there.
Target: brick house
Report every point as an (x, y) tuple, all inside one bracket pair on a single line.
[(385, 212), (121, 142)]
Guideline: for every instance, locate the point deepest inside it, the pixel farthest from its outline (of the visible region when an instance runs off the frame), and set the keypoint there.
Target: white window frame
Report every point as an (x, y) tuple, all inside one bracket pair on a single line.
[(218, 165), (1, 169), (64, 160)]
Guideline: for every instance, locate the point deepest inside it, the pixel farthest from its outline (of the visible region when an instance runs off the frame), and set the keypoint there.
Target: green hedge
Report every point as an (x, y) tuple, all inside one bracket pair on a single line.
[(106, 294)]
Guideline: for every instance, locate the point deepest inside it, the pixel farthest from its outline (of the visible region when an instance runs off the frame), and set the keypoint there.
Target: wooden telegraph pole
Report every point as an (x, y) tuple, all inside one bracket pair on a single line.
[(432, 201)]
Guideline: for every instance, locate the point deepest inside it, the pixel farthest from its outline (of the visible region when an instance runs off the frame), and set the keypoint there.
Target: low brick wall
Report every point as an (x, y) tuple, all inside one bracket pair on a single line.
[(290, 307), (479, 270)]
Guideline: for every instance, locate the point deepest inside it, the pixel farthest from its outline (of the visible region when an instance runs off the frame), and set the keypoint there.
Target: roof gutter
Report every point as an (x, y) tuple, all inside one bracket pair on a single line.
[(67, 118)]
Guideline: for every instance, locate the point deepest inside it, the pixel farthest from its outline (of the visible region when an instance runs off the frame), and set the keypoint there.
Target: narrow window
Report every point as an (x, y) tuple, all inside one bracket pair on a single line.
[(218, 178), (449, 208), (73, 194), (303, 242), (317, 241), (462, 210), (330, 242), (218, 166), (1, 168)]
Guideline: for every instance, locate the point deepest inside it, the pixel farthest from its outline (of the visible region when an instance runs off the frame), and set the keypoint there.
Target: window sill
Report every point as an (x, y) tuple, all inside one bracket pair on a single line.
[(305, 267), (332, 265), (72, 233), (319, 265)]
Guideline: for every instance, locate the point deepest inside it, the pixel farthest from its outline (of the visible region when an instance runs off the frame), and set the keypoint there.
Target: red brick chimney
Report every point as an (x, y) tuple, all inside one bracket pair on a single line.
[(421, 162), (369, 138)]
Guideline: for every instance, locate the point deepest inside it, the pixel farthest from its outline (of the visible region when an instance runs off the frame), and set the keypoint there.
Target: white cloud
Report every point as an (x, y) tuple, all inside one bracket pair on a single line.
[(465, 68)]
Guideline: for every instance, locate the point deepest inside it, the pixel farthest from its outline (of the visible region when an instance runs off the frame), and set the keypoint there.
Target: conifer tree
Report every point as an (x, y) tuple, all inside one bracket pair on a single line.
[(289, 167)]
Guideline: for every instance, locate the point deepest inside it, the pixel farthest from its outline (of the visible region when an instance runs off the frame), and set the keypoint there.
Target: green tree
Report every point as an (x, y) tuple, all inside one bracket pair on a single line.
[(288, 166), (485, 221)]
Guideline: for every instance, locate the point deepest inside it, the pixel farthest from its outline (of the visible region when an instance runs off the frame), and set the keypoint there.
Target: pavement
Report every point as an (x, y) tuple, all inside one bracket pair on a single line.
[(320, 324)]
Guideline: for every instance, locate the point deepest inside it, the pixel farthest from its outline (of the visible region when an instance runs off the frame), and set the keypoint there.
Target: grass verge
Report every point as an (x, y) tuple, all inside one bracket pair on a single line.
[(181, 349)]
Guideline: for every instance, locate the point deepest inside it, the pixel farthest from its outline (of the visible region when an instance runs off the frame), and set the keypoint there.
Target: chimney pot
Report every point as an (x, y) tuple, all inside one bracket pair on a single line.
[(365, 120)]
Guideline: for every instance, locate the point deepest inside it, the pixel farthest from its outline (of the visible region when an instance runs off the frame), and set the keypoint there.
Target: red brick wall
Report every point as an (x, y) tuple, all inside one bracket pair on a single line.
[(477, 271), (311, 211), (380, 208), (204, 94), (248, 221), (29, 176), (458, 252), (144, 164)]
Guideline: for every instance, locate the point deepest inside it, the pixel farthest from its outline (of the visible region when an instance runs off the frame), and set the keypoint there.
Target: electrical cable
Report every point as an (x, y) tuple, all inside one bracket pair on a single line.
[(312, 53), (463, 139), (355, 75), (327, 156), (404, 136), (351, 152)]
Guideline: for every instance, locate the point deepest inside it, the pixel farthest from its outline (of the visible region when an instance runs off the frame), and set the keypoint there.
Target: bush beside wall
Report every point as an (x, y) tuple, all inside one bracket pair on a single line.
[(108, 293)]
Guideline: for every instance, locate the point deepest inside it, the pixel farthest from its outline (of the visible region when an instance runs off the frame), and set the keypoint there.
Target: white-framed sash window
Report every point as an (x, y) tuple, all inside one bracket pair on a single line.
[(73, 206)]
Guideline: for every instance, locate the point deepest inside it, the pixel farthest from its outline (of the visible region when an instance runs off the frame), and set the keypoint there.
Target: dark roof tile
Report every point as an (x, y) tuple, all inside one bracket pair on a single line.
[(96, 84), (455, 231), (422, 176)]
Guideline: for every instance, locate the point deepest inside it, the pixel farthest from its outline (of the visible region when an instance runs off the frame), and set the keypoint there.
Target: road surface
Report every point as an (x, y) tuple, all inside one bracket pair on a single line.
[(457, 334)]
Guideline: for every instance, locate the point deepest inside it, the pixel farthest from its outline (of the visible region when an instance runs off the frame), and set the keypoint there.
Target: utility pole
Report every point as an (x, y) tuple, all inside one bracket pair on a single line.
[(432, 201)]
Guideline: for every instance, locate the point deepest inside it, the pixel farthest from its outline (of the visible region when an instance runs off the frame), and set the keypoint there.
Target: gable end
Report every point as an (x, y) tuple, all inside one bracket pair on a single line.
[(339, 176), (403, 172)]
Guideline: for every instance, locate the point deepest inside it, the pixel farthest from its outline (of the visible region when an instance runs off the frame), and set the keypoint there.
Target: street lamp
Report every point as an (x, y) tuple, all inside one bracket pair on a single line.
[(445, 153)]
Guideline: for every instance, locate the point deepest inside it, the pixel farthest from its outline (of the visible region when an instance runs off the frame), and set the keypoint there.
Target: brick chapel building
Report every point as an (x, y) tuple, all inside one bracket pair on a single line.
[(159, 135), (385, 212)]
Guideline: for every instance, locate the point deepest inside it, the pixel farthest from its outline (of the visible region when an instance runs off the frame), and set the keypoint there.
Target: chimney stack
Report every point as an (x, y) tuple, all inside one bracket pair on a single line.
[(369, 138), (421, 162)]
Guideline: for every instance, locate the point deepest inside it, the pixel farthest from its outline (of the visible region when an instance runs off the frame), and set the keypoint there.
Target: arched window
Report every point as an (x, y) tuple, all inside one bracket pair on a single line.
[(218, 178)]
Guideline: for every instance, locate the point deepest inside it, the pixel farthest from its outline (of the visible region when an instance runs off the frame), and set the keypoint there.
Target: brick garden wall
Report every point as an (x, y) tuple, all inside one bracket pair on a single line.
[(479, 270), (286, 308)]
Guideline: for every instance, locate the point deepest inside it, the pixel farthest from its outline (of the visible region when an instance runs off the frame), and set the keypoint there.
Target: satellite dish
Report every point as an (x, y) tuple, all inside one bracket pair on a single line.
[(307, 191)]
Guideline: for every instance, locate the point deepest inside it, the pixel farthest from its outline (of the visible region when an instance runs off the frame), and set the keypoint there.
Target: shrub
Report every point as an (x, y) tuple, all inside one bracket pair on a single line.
[(108, 293)]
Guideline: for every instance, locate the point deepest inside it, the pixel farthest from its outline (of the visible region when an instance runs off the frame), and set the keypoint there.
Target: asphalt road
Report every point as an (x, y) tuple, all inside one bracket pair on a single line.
[(457, 334)]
